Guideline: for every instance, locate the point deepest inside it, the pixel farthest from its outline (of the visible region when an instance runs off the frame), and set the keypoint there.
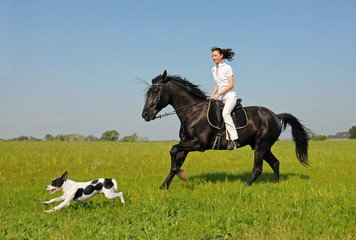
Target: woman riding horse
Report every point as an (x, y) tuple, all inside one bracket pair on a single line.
[(224, 90), (191, 104)]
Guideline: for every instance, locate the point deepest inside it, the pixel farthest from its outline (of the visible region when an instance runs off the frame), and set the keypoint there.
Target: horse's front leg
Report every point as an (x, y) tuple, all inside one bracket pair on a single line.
[(177, 160)]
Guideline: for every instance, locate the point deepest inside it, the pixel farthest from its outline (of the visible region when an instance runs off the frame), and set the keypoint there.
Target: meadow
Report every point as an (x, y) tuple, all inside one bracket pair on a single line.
[(316, 202)]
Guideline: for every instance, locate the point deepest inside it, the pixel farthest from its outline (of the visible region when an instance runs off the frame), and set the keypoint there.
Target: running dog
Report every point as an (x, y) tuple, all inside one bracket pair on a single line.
[(81, 191)]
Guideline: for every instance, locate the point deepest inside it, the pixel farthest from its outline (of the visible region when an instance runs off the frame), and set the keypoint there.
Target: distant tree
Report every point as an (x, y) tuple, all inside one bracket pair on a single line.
[(111, 136), (131, 138), (31, 138), (73, 137), (320, 138), (76, 137), (49, 137), (134, 138), (22, 138), (59, 137), (91, 138), (352, 132), (310, 133), (340, 135), (315, 137), (25, 138)]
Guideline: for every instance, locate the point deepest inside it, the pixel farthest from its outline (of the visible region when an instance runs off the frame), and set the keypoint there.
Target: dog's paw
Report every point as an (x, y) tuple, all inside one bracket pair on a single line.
[(46, 203), (48, 211)]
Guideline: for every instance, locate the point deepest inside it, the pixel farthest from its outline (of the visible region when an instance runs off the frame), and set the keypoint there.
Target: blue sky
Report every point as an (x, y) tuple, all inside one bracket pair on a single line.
[(72, 66)]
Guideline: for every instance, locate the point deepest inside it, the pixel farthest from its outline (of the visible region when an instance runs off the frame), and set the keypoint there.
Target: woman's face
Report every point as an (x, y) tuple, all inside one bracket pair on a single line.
[(217, 57)]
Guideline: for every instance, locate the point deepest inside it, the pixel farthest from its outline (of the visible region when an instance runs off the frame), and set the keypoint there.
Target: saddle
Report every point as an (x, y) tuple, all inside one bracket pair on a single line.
[(215, 118)]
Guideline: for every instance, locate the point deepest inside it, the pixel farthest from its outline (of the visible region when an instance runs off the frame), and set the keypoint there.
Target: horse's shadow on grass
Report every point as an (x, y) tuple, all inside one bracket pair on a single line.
[(243, 177)]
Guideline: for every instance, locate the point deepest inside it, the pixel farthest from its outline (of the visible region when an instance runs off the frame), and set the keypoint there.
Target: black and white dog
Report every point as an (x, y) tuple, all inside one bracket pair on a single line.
[(81, 191)]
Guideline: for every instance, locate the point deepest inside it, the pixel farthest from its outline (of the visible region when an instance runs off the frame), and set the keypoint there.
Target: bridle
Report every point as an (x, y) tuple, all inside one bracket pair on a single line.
[(180, 109), (175, 111)]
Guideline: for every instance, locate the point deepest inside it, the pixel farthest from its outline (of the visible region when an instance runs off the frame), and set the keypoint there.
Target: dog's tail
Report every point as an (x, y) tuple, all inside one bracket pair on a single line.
[(115, 184)]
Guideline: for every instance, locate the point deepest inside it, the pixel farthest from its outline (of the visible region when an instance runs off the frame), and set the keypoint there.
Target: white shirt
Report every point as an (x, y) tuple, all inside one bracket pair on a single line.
[(221, 80)]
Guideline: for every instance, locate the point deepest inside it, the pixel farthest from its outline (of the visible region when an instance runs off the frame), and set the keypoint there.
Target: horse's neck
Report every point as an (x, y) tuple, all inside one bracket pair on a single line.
[(182, 102), (181, 99)]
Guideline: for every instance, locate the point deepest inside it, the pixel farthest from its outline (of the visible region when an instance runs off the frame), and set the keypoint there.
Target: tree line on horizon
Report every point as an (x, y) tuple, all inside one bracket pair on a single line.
[(108, 136), (351, 134), (113, 136)]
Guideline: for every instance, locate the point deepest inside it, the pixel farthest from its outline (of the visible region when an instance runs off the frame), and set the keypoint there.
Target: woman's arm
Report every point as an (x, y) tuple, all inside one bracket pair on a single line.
[(230, 85), (214, 92)]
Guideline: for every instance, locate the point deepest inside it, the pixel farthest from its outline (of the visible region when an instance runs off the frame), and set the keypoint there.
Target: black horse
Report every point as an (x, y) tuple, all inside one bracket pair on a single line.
[(191, 104)]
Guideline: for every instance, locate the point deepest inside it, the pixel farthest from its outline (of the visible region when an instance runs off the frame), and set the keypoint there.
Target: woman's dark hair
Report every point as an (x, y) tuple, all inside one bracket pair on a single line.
[(228, 53)]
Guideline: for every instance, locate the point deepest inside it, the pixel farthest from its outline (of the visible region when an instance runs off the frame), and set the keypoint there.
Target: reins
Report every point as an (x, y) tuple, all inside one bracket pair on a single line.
[(175, 112)]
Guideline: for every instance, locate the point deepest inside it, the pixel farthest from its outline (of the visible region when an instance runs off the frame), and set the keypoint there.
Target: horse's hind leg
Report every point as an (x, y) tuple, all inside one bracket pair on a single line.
[(274, 163)]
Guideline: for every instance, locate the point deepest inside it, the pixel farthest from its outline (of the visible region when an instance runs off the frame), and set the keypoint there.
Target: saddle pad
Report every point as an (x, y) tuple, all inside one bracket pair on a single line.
[(215, 119)]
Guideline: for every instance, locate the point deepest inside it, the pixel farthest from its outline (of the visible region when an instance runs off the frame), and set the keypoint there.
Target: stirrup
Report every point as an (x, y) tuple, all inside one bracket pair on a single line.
[(217, 142)]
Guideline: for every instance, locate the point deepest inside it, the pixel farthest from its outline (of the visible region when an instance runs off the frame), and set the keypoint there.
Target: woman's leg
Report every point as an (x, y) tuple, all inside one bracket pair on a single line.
[(230, 126)]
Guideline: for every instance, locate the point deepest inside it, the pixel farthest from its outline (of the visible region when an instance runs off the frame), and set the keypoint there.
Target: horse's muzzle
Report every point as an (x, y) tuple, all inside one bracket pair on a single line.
[(145, 116), (148, 117)]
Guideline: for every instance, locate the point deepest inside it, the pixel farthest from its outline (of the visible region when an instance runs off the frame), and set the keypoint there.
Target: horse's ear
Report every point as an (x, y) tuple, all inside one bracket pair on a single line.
[(164, 76)]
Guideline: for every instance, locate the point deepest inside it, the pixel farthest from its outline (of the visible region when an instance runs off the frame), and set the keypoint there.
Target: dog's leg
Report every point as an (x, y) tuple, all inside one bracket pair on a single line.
[(111, 194), (65, 203), (58, 199), (121, 196)]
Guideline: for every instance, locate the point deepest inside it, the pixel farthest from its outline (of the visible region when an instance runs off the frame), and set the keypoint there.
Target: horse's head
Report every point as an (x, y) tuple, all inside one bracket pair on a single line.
[(156, 97)]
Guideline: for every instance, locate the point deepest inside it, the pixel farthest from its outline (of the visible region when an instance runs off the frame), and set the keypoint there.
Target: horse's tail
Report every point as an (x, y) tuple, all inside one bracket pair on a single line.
[(299, 134)]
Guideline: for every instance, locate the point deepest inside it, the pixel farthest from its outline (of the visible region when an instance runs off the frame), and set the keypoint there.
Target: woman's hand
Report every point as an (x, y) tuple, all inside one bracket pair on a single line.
[(214, 97)]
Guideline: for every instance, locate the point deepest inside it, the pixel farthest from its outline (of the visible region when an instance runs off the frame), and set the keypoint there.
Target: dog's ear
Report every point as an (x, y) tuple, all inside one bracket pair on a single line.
[(64, 176)]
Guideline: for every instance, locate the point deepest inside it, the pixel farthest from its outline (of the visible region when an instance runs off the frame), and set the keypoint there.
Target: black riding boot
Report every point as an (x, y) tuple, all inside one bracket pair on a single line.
[(233, 144)]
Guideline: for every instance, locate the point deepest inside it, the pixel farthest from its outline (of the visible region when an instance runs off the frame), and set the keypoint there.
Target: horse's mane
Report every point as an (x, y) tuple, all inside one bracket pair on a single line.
[(188, 86)]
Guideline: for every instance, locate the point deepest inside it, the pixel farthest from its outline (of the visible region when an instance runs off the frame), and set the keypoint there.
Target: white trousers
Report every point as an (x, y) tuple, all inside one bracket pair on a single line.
[(230, 126)]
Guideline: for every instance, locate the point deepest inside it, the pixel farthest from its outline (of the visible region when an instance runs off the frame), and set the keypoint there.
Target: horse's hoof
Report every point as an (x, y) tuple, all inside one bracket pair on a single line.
[(182, 175)]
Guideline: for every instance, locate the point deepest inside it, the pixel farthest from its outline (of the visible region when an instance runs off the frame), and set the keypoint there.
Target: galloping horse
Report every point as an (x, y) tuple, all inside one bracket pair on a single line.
[(191, 104)]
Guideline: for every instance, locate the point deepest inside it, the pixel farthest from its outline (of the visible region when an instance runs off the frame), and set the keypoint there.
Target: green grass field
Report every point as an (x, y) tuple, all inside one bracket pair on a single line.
[(317, 202)]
